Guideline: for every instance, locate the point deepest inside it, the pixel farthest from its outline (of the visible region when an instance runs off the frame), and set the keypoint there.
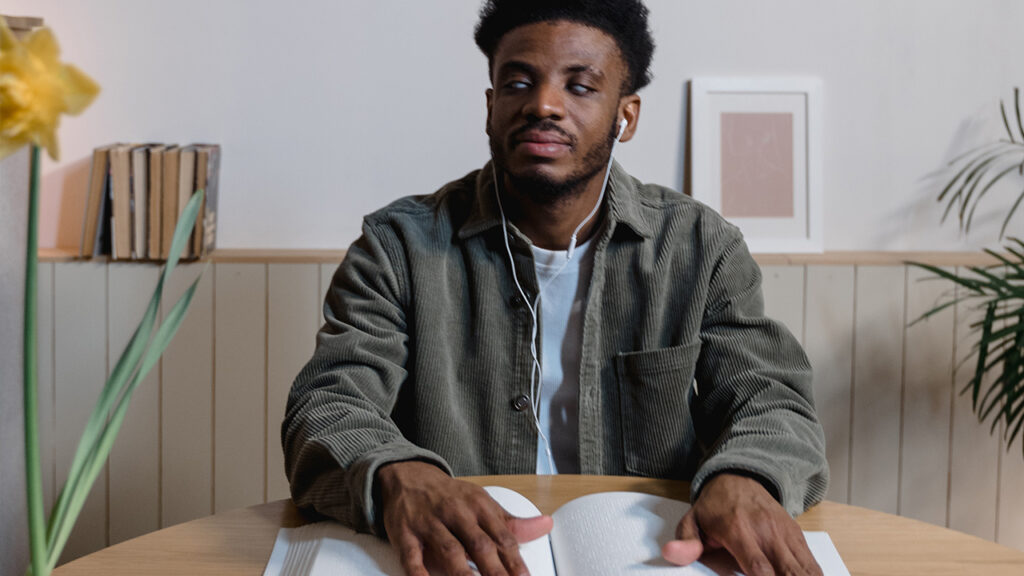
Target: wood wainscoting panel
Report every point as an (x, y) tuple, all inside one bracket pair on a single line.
[(134, 507), (80, 370), (186, 402), (877, 375), (240, 385), (292, 320), (927, 377), (783, 288), (895, 430), (1010, 528), (974, 452), (829, 345)]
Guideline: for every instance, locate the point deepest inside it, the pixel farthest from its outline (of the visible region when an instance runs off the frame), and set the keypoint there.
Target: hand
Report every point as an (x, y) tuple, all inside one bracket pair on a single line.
[(738, 514), (429, 514)]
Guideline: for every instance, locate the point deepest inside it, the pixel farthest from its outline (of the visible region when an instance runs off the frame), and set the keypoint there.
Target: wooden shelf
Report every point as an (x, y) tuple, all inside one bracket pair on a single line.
[(274, 256)]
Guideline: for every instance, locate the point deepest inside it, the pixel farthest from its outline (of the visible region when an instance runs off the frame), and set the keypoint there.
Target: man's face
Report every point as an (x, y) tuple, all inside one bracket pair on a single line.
[(552, 114)]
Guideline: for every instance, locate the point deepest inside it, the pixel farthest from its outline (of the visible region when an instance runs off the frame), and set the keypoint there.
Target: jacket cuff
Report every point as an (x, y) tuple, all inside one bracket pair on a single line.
[(363, 475), (773, 478)]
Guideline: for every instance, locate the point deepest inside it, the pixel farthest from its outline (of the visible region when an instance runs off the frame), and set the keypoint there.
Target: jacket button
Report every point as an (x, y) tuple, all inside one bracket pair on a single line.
[(520, 403)]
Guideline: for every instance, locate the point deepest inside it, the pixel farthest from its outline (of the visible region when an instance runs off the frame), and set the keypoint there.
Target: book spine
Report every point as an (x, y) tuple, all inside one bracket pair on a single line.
[(155, 202)]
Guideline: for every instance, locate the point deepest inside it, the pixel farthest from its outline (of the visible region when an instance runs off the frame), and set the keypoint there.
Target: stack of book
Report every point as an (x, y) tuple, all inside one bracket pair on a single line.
[(137, 193)]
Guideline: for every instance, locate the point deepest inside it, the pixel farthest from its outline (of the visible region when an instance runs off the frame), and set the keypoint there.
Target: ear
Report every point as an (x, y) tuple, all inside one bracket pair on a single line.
[(489, 94), (629, 108)]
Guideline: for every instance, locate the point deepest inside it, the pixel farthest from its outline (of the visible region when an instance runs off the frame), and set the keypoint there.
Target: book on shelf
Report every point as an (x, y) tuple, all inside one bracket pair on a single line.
[(155, 201), (204, 237), (186, 186), (94, 221), (121, 192), (172, 159), (140, 200), (137, 193), (611, 533)]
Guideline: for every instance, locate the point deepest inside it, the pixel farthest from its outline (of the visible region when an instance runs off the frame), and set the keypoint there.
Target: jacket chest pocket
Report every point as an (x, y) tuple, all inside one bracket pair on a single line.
[(658, 439)]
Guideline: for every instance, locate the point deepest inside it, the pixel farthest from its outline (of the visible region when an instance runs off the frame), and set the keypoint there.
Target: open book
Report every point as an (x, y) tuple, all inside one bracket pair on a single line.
[(611, 533)]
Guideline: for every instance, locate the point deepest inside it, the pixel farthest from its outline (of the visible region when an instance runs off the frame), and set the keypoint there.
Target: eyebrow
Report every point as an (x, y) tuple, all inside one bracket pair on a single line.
[(520, 66), (516, 66)]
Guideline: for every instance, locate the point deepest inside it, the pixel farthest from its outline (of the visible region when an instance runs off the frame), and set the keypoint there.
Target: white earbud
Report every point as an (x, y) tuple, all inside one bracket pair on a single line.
[(622, 128)]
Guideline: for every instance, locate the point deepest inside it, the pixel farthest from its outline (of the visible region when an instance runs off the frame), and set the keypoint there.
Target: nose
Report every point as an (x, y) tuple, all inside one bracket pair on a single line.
[(545, 102)]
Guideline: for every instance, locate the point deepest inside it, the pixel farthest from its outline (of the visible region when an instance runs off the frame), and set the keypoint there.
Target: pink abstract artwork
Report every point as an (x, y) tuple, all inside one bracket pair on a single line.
[(757, 165)]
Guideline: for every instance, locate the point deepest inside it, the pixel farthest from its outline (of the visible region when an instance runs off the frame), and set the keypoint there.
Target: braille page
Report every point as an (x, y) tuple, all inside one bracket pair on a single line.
[(329, 549), (621, 534)]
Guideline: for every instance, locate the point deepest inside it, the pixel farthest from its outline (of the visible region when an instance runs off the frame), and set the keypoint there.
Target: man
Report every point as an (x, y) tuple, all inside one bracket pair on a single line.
[(530, 307)]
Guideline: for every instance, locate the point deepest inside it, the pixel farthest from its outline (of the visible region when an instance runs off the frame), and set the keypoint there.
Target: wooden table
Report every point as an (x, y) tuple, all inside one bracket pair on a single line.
[(239, 542)]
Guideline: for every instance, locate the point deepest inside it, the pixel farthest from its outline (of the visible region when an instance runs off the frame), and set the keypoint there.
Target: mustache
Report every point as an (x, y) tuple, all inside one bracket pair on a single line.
[(543, 126)]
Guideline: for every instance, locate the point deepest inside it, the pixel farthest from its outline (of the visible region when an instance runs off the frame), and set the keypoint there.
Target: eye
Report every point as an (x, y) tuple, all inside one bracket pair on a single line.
[(517, 85), (580, 89)]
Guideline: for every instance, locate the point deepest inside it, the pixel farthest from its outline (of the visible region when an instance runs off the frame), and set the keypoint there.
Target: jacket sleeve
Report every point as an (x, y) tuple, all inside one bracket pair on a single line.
[(337, 431), (754, 411)]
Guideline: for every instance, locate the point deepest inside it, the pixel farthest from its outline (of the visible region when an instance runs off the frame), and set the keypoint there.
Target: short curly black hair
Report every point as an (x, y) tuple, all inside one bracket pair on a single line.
[(623, 20)]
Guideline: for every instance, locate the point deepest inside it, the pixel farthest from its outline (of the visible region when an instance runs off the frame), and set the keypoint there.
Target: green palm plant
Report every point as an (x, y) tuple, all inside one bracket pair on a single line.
[(982, 167), (997, 289)]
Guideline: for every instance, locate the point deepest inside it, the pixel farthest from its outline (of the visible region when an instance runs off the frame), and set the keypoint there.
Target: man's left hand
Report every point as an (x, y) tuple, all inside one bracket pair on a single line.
[(738, 514)]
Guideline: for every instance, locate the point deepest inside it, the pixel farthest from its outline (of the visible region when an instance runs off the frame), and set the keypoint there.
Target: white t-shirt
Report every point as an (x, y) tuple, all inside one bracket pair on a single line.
[(562, 303)]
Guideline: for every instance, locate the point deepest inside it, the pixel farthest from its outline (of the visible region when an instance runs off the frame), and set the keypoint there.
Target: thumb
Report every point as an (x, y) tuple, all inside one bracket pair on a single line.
[(688, 547), (527, 529)]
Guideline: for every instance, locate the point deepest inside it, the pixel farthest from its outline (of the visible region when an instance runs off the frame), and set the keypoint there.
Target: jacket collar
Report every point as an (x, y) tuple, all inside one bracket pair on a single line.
[(622, 199)]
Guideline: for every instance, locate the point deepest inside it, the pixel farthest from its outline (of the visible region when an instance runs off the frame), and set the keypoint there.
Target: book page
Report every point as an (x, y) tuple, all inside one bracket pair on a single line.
[(621, 534), (329, 548)]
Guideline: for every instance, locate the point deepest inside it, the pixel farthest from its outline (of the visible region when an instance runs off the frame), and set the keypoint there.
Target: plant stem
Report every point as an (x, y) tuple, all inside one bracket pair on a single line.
[(33, 475)]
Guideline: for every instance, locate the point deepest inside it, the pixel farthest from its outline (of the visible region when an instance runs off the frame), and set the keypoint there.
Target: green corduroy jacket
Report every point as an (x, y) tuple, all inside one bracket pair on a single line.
[(425, 351)]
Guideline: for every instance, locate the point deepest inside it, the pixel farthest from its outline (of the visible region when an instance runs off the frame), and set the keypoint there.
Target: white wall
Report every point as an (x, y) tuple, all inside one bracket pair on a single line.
[(328, 110)]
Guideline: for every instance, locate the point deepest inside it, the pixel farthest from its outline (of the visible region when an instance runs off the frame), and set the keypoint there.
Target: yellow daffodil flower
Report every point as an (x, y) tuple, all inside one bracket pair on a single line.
[(35, 89)]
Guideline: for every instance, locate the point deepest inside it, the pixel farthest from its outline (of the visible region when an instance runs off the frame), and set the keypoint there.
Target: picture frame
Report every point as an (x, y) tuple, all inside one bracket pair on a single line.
[(755, 153)]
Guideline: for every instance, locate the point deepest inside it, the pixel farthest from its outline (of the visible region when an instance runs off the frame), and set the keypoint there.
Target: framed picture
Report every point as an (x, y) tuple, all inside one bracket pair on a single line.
[(755, 150)]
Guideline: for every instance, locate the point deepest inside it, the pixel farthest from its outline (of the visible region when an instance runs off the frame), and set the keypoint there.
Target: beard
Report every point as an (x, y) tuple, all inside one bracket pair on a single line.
[(545, 190)]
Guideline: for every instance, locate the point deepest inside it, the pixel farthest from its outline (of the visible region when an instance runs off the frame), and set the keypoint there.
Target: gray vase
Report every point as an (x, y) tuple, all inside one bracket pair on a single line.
[(14, 183)]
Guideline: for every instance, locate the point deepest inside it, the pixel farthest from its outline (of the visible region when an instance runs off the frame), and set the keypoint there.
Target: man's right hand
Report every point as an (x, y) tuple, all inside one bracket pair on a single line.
[(429, 515)]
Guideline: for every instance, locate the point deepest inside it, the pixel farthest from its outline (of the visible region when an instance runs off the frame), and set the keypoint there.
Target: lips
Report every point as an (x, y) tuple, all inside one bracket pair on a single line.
[(543, 143)]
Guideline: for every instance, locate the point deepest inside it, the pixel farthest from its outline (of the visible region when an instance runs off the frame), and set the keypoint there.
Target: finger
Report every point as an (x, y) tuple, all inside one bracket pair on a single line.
[(447, 550), (782, 558), (529, 529), (483, 551), (804, 557), (748, 554), (410, 551), (502, 528), (688, 548), (742, 543)]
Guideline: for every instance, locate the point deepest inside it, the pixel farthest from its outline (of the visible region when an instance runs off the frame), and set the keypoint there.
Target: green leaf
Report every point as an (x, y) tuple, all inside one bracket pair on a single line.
[(970, 184), (98, 435), (982, 352), (1009, 215), (109, 433), (1006, 123), (992, 182), (1016, 100)]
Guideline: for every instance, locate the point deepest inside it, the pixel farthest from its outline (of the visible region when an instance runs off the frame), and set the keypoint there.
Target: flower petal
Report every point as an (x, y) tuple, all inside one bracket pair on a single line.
[(47, 138), (79, 90), (42, 44), (7, 40)]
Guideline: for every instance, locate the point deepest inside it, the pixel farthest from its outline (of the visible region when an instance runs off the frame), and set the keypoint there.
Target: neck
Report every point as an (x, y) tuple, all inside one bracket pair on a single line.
[(550, 225)]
